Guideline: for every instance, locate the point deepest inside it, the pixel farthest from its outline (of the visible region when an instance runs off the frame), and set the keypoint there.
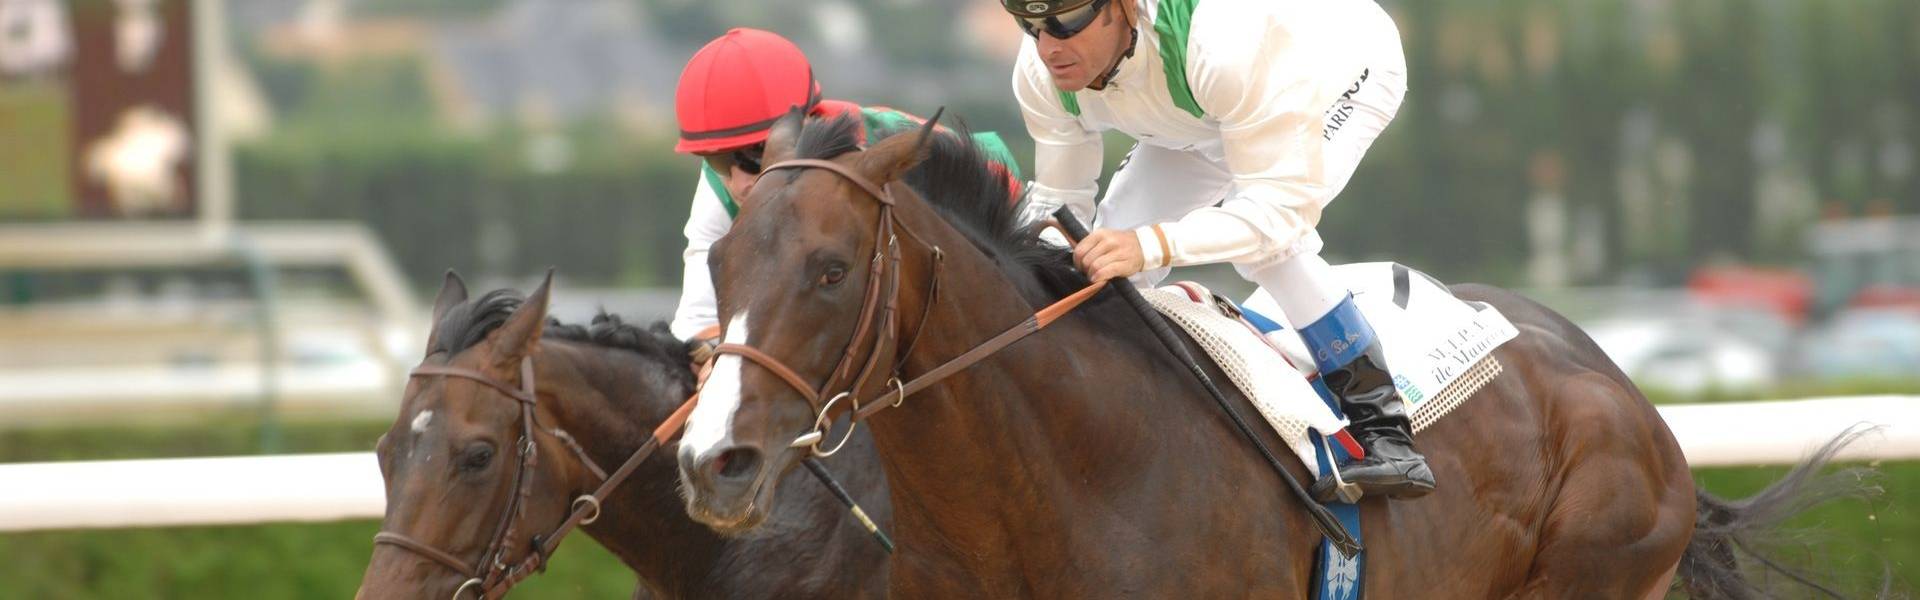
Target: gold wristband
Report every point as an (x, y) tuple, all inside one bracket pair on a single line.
[(1166, 252)]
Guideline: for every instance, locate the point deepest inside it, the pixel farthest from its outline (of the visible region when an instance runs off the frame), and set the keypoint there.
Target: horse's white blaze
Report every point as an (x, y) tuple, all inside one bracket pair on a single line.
[(710, 427), (420, 421)]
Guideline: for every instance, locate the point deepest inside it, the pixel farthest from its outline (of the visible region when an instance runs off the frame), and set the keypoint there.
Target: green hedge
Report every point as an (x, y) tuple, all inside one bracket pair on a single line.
[(613, 216)]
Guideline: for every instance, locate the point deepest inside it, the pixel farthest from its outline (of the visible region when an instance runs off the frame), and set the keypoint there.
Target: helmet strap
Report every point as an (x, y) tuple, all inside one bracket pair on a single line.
[(1133, 41), (813, 92)]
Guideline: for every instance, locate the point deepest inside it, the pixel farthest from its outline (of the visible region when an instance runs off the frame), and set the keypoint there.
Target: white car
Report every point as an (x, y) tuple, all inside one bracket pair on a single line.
[(1684, 354)]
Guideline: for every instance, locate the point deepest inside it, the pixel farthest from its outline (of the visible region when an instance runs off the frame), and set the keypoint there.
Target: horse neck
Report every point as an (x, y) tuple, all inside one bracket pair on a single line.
[(612, 400), (1008, 439)]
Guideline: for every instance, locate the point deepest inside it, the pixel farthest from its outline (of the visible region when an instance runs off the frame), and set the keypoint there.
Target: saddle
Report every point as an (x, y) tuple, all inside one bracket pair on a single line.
[(1440, 349)]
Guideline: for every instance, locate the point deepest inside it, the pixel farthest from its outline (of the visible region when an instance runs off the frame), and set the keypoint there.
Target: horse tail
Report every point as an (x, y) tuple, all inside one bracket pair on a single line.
[(1725, 529)]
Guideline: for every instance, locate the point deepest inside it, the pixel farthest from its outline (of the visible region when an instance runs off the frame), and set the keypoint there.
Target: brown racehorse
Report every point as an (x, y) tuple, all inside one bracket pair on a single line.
[(1086, 463), (449, 463)]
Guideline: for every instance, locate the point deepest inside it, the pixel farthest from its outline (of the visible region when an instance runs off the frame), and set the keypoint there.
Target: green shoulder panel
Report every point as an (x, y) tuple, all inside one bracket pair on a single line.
[(997, 151), (1172, 23), (881, 118), (1070, 101), (719, 190)]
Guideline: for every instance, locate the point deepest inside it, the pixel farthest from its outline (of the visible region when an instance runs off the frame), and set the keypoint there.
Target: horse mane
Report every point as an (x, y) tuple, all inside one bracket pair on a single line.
[(957, 180), (963, 186), (466, 324)]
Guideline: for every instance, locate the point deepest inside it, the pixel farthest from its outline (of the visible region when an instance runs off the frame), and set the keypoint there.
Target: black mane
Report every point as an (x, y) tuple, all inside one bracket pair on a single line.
[(961, 183), (469, 322), (828, 138)]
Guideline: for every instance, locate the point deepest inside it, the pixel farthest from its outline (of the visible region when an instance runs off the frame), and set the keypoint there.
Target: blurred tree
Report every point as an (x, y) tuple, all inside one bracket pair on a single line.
[(1662, 120), (1713, 104)]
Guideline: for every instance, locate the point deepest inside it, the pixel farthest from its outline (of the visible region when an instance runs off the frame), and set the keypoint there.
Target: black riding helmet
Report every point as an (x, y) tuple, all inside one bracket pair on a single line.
[(1061, 19), (1041, 8)]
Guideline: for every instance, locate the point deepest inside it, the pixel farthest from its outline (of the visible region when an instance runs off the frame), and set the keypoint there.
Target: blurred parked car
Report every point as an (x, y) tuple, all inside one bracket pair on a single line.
[(1684, 353), (1862, 343)]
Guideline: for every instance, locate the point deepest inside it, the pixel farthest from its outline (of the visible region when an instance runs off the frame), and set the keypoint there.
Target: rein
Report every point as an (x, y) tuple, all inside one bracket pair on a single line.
[(877, 318), (886, 260), (493, 577)]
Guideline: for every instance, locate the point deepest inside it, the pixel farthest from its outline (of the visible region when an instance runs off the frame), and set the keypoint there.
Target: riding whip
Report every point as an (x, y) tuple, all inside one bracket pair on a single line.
[(820, 471)]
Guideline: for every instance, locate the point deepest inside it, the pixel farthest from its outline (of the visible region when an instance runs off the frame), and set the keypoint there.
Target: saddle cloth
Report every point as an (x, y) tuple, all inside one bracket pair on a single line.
[(1438, 347)]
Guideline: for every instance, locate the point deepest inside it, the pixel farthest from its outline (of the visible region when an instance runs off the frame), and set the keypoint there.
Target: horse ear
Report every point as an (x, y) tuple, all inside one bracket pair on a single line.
[(891, 157), (784, 136), (516, 338), (453, 291)]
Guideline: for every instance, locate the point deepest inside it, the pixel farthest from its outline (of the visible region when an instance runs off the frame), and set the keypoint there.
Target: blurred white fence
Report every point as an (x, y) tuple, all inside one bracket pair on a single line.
[(329, 487)]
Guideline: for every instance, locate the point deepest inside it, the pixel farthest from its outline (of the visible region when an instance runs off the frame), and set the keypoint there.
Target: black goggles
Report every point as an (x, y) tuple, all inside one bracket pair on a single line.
[(1063, 25), (748, 159)]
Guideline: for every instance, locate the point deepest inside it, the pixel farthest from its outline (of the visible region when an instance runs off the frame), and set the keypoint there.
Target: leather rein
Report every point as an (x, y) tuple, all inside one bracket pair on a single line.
[(878, 320), (492, 576)]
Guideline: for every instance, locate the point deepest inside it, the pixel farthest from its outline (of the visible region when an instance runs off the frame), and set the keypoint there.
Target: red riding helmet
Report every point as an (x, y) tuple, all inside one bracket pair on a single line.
[(736, 86)]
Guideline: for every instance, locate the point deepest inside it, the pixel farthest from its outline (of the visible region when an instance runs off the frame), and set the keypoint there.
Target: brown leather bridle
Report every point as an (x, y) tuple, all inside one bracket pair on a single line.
[(878, 319), (878, 315), (492, 576)]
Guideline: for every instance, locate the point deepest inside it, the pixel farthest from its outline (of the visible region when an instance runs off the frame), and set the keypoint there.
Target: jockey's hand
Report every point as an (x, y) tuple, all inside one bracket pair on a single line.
[(703, 346), (1109, 253), (702, 351)]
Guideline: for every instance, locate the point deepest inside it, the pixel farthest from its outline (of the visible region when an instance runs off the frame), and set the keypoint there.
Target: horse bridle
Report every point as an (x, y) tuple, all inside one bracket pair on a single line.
[(877, 316), (492, 577)]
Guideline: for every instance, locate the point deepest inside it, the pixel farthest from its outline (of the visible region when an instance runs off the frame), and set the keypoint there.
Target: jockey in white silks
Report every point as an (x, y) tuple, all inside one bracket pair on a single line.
[(1250, 116)]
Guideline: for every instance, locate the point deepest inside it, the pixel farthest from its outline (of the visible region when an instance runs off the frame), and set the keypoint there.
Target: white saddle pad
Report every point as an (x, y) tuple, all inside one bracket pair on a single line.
[(1438, 347)]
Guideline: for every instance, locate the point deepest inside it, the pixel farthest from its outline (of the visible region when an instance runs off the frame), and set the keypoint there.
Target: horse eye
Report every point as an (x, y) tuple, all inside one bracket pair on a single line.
[(476, 459), (833, 276)]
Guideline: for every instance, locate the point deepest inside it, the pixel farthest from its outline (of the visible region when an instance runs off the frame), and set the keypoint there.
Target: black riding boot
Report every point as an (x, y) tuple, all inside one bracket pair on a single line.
[(1378, 420)]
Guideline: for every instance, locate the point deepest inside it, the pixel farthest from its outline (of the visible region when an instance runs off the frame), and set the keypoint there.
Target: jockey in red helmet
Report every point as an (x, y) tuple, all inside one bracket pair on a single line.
[(732, 91)]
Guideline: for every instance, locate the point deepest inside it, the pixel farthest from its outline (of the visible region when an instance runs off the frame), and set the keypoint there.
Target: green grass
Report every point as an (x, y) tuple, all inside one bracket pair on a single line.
[(223, 436), (268, 561), (1851, 543)]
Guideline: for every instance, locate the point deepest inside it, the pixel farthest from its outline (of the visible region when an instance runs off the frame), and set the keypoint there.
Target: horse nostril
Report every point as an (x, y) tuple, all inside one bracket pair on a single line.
[(736, 462)]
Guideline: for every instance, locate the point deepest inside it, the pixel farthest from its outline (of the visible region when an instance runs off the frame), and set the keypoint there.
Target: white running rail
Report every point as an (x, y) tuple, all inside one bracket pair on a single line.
[(331, 487)]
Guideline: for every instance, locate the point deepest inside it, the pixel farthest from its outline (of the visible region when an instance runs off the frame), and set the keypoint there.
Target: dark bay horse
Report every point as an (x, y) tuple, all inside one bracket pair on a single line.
[(1086, 463), (449, 463)]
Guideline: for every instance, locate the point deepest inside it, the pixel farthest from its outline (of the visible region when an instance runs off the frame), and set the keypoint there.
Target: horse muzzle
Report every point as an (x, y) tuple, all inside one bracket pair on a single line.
[(728, 488)]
